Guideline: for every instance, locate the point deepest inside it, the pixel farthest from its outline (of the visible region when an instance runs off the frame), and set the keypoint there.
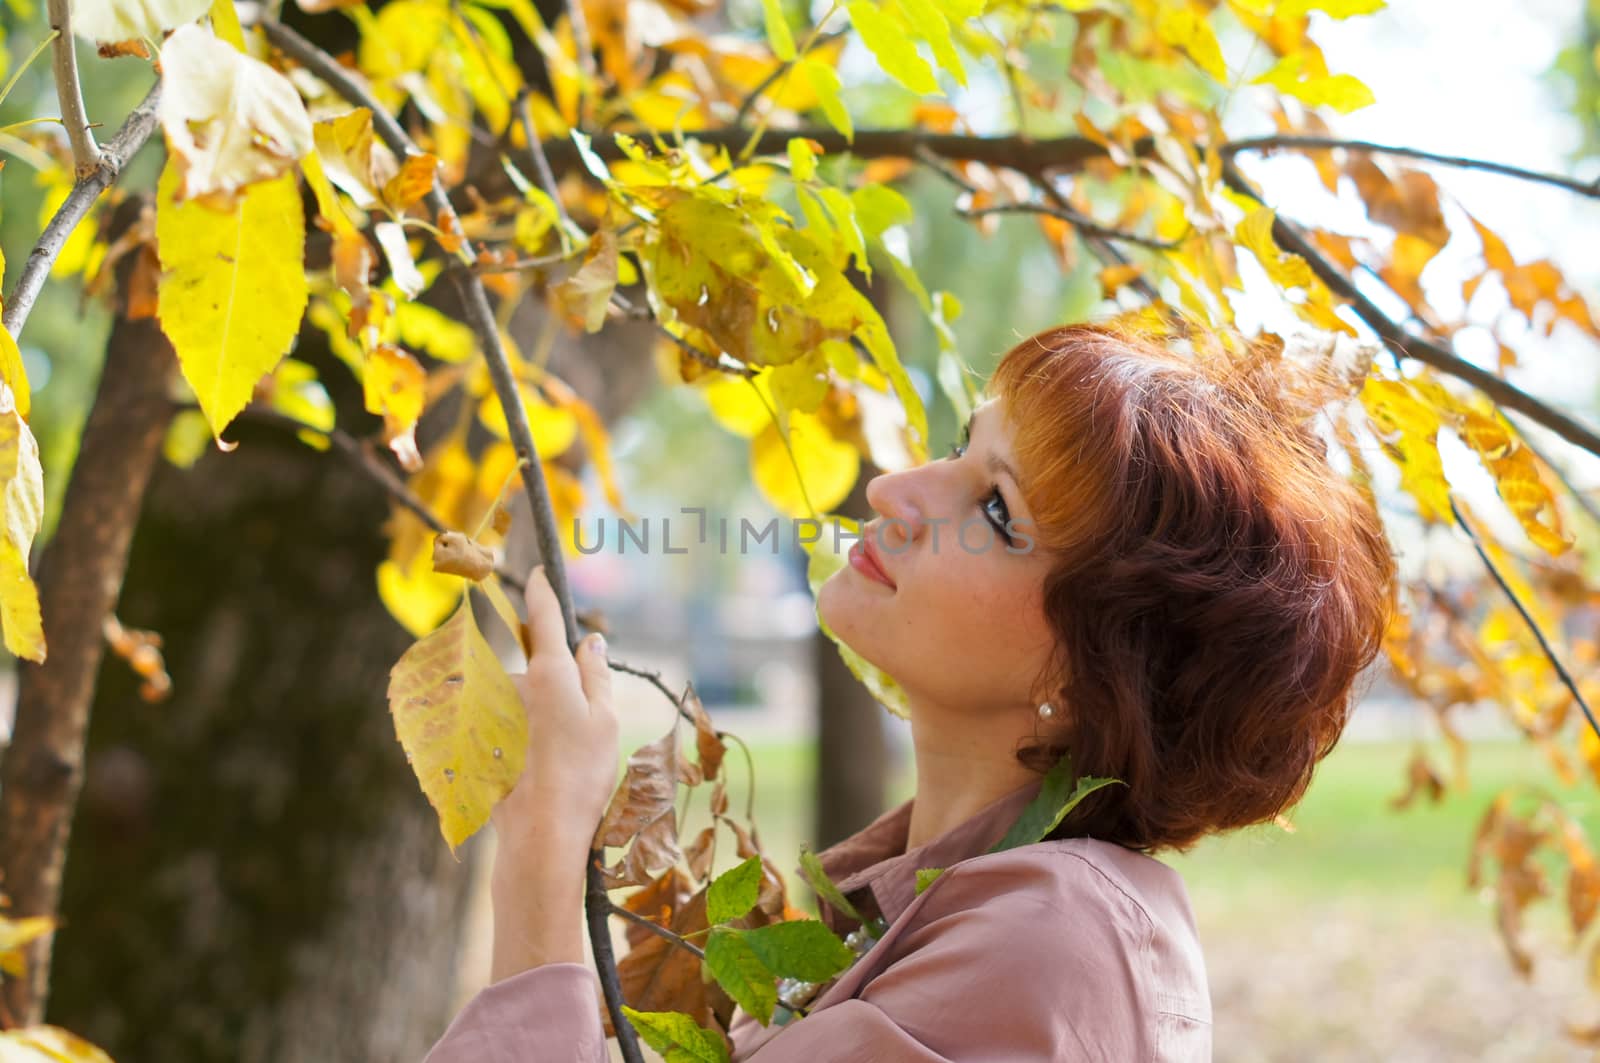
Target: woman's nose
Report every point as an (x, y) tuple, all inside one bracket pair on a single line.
[(894, 496)]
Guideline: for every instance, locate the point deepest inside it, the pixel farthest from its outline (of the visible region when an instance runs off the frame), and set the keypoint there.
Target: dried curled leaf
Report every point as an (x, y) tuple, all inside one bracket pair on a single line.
[(641, 814), (112, 22), (230, 120), (457, 555)]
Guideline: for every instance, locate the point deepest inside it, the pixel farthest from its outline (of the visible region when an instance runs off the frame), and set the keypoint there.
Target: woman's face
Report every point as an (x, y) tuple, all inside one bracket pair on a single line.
[(959, 623)]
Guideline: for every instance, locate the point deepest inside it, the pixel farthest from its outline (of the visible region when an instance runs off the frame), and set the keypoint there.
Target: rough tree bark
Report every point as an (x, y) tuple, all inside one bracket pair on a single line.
[(79, 575), (255, 870)]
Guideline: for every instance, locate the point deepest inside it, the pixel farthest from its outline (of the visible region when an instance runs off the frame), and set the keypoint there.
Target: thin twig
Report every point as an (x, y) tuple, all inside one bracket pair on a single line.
[(1084, 224), (1294, 142), (628, 309), (1527, 618), (127, 140), (657, 929), (480, 318), (1422, 349), (541, 162), (64, 62)]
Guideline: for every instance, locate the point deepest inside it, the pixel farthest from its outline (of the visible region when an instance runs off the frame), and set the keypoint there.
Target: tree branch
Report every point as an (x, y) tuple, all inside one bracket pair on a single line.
[(480, 318), (127, 140), (1527, 618), (657, 929), (64, 62), (1311, 143), (1422, 349), (1016, 152), (1085, 225)]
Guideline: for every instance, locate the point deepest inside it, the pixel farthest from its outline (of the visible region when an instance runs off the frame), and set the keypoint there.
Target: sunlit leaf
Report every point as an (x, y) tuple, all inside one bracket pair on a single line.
[(230, 120), (461, 722)]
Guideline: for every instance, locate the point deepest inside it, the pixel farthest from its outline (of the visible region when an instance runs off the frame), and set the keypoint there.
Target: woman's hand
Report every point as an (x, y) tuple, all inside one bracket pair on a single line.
[(545, 825)]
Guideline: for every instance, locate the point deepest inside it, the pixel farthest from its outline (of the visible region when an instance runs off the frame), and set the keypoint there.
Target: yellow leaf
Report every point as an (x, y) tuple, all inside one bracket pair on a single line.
[(736, 402), (1413, 425), (14, 934), (1255, 233), (21, 508), (421, 327), (1304, 75), (1184, 23), (230, 120), (48, 1044), (553, 427), (827, 467), (393, 385), (887, 39), (14, 373), (187, 438), (461, 722), (825, 84), (225, 23), (233, 288), (1114, 278), (415, 595)]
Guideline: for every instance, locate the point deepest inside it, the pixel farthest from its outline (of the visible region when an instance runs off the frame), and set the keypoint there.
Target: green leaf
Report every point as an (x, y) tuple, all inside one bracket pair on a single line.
[(825, 83), (801, 948), (1059, 795), (802, 160), (778, 34), (925, 877), (734, 892), (929, 23), (811, 868), (887, 39), (741, 974), (677, 1037)]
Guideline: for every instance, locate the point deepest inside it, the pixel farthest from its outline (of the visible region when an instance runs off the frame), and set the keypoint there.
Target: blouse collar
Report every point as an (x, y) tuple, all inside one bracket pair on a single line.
[(874, 871)]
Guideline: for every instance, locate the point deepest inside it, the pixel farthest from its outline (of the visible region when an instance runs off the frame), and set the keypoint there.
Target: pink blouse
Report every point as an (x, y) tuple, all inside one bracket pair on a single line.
[(1061, 950)]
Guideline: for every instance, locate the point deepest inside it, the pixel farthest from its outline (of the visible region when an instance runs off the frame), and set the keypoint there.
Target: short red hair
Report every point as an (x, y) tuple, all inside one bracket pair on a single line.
[(1217, 585)]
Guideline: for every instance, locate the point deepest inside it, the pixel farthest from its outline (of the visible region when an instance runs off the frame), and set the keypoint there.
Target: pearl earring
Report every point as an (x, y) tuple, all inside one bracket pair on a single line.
[(1046, 711)]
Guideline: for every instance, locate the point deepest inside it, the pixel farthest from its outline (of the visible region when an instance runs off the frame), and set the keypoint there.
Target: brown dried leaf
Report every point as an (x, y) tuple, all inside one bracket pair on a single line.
[(456, 555), (659, 901), (1420, 779), (653, 848), (708, 746), (648, 789), (658, 975), (700, 852)]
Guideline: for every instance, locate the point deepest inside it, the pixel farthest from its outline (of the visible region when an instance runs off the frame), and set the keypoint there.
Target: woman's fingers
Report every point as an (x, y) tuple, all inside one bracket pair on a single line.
[(545, 624), (595, 675)]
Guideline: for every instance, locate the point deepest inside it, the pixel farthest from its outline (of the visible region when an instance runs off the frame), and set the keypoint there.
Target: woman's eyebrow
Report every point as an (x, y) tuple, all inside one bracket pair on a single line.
[(992, 461)]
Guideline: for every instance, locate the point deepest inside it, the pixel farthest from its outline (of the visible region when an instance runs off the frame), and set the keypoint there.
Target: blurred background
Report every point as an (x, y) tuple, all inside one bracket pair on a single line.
[(1353, 937)]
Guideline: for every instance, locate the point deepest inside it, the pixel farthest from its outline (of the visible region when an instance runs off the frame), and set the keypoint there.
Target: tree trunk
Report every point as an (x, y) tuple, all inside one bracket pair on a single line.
[(255, 874), (80, 572)]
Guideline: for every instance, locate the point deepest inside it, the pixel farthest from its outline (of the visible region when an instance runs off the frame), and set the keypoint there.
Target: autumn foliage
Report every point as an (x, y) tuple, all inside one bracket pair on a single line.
[(662, 160)]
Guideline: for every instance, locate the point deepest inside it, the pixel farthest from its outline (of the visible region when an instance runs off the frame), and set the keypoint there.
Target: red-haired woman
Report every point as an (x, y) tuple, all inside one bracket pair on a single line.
[(1176, 589)]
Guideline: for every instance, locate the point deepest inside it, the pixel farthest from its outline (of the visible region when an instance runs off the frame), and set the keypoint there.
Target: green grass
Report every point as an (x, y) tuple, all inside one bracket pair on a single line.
[(1349, 844)]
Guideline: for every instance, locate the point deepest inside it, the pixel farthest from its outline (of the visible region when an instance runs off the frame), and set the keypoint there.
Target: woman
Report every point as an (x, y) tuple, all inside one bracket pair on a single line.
[(1196, 595)]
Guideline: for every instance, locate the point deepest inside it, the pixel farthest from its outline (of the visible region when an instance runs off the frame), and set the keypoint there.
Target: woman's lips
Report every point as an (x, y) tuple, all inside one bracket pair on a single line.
[(863, 561)]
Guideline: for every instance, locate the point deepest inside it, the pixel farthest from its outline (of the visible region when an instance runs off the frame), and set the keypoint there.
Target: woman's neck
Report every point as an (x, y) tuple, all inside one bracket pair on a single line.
[(963, 766)]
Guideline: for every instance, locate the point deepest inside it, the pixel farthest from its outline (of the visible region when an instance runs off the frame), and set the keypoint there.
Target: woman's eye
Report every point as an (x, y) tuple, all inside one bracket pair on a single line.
[(995, 507)]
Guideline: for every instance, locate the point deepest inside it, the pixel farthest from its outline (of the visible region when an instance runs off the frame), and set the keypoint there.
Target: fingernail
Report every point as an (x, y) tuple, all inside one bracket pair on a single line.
[(597, 644), (538, 570)]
